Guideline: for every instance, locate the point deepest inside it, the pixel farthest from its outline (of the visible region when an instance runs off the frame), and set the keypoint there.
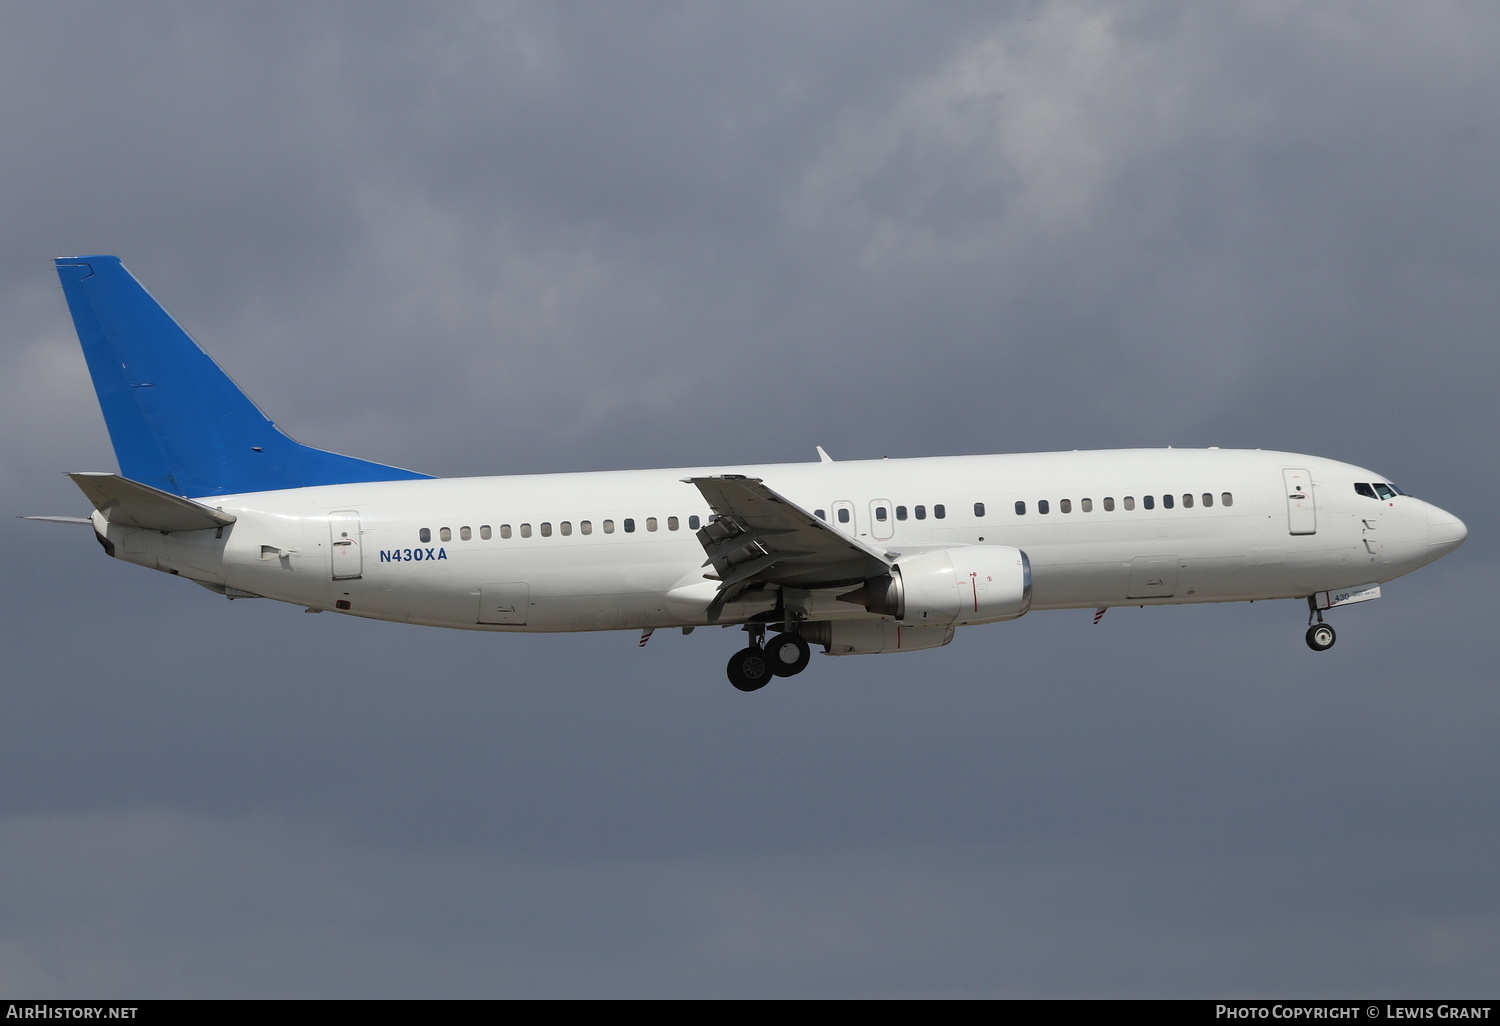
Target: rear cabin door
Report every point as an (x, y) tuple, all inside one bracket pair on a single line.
[(1300, 515), (343, 532)]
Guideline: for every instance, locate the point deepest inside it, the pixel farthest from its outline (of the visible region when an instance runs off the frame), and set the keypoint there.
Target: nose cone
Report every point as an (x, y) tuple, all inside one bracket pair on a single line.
[(1445, 532)]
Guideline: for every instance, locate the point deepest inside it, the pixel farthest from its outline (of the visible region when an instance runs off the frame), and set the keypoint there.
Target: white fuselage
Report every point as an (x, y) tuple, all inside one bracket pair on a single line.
[(617, 550)]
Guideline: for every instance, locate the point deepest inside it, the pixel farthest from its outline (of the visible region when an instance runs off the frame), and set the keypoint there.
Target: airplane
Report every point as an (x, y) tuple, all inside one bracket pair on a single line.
[(855, 556)]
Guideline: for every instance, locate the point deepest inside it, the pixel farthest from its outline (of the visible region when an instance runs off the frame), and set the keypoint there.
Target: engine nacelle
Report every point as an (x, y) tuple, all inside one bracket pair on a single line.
[(872, 637), (954, 586)]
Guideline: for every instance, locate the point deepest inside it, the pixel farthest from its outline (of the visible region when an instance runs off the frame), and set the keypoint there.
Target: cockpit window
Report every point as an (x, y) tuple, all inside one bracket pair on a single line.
[(1364, 489), (1385, 491), (1378, 490)]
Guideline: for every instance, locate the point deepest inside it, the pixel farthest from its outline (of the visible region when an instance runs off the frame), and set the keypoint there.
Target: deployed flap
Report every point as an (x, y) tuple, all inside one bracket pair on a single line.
[(133, 504), (760, 537)]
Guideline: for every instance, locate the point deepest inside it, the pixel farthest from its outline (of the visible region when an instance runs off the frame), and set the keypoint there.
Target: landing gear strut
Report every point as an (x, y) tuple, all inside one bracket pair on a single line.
[(751, 669)]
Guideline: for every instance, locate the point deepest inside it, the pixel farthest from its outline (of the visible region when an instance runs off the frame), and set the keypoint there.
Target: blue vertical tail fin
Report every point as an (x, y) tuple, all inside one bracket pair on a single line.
[(177, 422)]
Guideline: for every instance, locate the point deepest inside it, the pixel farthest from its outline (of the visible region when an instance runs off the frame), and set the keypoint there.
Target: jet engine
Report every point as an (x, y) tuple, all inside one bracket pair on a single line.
[(951, 587)]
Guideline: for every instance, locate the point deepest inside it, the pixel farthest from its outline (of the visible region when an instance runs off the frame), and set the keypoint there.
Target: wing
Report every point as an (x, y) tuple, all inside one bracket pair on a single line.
[(759, 537)]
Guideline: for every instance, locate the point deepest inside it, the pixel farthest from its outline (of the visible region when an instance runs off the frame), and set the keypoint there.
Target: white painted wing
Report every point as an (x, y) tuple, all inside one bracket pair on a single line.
[(757, 536)]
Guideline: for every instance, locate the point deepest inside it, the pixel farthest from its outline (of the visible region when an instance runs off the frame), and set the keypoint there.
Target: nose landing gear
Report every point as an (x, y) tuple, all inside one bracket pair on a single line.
[(1320, 636)]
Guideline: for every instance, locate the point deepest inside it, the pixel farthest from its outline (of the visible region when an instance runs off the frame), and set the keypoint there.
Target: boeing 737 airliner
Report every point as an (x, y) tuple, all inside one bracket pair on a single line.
[(866, 556)]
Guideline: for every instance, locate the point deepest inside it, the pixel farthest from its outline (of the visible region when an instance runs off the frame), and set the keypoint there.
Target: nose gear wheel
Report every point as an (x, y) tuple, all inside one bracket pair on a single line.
[(1320, 637)]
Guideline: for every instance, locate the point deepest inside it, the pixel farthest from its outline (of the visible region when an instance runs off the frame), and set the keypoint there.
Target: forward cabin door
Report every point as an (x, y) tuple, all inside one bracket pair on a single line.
[(1300, 515), (343, 535)]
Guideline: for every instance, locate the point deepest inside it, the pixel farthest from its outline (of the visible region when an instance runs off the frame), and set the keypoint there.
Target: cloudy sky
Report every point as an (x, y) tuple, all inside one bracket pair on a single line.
[(487, 238)]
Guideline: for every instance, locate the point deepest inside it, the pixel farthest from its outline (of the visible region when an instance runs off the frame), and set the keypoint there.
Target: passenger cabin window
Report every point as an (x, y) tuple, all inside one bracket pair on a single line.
[(1208, 498), (672, 523), (920, 512), (979, 509), (881, 514), (844, 516), (425, 534), (1166, 502), (525, 530), (650, 523), (900, 512), (1148, 501), (546, 529), (694, 523), (939, 511), (1109, 504), (1020, 508), (445, 534), (1227, 499), (1042, 506), (629, 523), (565, 528), (609, 527), (1129, 502), (464, 534), (505, 530), (585, 527), (1187, 500), (484, 532), (1065, 505), (1086, 505)]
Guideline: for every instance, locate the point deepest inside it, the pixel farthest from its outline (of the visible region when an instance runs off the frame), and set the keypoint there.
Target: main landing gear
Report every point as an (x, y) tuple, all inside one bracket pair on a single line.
[(786, 655), (1320, 636)]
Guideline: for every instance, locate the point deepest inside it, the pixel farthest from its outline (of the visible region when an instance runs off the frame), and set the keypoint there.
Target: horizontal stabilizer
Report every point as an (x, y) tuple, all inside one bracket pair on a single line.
[(133, 504), (60, 520)]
